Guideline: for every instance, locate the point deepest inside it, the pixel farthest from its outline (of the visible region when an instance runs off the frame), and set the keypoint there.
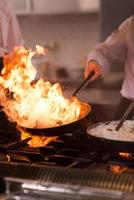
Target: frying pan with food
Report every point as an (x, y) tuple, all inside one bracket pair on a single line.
[(105, 136), (59, 130), (66, 128)]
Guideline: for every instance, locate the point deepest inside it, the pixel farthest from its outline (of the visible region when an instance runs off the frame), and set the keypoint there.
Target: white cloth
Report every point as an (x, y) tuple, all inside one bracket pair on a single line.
[(10, 34), (118, 46)]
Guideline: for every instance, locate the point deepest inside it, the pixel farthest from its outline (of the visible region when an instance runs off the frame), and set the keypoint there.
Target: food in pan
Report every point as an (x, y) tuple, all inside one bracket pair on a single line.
[(107, 131), (35, 104)]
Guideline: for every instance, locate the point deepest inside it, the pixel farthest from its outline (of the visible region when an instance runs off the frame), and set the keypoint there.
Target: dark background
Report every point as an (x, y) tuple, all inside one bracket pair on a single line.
[(112, 13)]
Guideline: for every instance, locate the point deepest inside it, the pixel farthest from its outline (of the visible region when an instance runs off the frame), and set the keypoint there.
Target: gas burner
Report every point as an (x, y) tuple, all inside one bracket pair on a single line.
[(73, 157), (71, 150)]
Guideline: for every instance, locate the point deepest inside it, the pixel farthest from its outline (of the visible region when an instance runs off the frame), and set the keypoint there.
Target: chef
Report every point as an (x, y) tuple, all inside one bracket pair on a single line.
[(119, 46), (10, 34)]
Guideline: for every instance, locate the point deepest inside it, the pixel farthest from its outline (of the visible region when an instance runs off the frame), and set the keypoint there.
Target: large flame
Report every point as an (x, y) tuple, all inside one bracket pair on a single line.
[(30, 104)]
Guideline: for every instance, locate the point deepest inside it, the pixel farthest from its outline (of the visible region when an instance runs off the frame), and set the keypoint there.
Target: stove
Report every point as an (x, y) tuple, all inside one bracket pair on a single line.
[(68, 167)]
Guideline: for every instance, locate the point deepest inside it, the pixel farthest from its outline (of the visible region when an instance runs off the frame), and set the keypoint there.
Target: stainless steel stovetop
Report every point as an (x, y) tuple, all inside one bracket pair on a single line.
[(69, 168)]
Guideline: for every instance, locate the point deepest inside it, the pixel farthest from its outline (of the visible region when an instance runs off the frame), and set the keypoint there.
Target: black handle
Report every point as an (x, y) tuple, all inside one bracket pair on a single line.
[(83, 84), (124, 117)]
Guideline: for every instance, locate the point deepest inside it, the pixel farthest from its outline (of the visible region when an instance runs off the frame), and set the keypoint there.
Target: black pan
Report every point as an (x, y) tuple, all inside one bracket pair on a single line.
[(60, 130), (110, 145), (67, 128)]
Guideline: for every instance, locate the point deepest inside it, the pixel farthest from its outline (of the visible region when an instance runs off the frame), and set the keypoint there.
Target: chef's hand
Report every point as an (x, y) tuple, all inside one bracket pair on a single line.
[(93, 66)]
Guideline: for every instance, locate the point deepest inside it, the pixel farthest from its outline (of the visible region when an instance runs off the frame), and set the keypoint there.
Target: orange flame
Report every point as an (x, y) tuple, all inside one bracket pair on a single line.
[(126, 156), (118, 169), (34, 105), (122, 154), (36, 141)]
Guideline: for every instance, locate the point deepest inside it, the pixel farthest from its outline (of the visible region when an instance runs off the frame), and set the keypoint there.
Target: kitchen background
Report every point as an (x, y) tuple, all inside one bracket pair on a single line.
[(70, 29), (73, 165)]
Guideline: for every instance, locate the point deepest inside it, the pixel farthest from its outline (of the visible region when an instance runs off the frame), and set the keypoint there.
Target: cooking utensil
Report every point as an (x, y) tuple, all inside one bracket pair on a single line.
[(59, 130), (83, 84), (63, 129), (124, 117), (110, 145)]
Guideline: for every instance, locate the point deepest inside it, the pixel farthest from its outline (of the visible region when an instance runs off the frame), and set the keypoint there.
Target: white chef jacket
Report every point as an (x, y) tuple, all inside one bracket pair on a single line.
[(10, 34), (118, 46)]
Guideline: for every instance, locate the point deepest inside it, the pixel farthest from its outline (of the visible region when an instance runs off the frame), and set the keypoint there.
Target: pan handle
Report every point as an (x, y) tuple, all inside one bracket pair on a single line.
[(124, 117), (83, 84)]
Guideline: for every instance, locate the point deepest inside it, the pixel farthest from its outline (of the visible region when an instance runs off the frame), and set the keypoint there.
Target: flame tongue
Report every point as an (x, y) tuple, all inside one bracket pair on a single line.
[(34, 105), (36, 141)]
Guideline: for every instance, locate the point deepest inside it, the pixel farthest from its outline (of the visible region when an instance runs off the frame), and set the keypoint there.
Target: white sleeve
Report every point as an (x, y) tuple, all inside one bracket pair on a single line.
[(103, 62), (112, 49), (14, 37)]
